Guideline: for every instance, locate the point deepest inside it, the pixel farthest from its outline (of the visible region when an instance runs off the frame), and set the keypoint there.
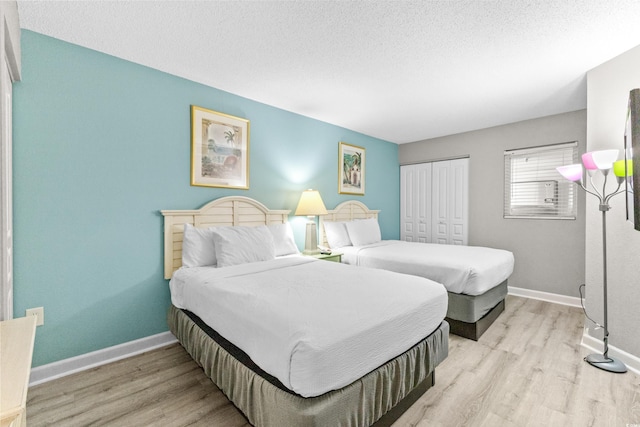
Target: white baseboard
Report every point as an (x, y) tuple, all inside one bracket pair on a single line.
[(544, 296), (596, 345), (61, 368)]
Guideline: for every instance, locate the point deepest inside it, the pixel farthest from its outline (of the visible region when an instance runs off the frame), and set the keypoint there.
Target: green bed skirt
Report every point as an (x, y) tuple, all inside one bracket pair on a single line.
[(361, 403)]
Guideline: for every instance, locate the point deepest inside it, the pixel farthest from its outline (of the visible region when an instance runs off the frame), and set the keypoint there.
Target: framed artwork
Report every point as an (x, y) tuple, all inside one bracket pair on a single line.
[(219, 149), (351, 168)]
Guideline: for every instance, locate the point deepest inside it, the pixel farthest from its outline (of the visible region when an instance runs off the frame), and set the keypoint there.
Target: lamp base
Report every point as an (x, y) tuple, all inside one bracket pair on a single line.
[(311, 240), (606, 363)]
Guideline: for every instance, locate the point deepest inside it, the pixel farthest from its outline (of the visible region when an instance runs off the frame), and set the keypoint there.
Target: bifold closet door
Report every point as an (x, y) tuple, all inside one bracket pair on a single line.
[(434, 202), (415, 200), (450, 206)]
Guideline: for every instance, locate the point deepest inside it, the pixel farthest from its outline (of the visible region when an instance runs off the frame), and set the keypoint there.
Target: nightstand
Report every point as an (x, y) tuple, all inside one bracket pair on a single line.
[(16, 352), (335, 257)]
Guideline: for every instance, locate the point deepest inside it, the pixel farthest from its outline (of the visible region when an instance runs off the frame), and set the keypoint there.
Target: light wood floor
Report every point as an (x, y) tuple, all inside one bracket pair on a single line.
[(526, 370)]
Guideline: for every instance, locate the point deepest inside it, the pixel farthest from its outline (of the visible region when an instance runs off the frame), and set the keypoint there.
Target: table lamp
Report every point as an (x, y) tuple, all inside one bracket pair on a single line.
[(311, 205)]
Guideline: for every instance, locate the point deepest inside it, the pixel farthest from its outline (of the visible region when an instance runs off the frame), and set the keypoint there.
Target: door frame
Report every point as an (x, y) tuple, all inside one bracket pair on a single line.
[(6, 196), (10, 62)]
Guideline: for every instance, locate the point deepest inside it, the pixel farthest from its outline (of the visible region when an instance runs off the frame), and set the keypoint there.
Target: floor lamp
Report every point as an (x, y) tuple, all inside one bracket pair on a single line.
[(602, 161), (311, 205)]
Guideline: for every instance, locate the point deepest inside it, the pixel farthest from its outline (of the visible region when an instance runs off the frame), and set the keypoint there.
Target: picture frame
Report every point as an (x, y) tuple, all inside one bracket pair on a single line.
[(351, 169), (219, 149)]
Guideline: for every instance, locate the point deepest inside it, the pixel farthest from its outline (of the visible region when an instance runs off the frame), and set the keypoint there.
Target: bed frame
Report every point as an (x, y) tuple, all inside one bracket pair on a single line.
[(380, 396), (461, 307)]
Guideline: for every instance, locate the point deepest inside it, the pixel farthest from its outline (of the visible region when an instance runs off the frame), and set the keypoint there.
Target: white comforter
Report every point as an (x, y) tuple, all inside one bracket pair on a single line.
[(315, 325), (470, 270)]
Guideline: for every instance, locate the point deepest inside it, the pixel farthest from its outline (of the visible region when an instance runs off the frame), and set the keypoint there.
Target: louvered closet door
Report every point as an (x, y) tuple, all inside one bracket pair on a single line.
[(415, 200)]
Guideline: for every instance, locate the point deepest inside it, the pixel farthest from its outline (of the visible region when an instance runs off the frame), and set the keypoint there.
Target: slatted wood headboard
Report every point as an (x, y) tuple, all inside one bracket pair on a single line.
[(232, 210), (345, 211)]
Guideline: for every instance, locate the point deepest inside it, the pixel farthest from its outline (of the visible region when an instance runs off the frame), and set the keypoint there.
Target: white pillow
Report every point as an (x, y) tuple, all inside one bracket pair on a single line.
[(283, 239), (364, 232), (197, 247), (337, 235), (240, 245)]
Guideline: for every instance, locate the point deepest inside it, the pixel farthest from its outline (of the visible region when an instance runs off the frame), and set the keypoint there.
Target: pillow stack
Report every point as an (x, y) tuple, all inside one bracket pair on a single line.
[(226, 246), (352, 233)]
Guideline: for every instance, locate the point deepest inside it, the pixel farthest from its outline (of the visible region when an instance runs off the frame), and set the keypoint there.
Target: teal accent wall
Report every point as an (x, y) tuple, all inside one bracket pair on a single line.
[(100, 146)]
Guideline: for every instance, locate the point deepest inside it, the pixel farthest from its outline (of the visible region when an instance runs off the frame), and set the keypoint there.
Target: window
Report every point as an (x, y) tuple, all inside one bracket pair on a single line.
[(534, 188)]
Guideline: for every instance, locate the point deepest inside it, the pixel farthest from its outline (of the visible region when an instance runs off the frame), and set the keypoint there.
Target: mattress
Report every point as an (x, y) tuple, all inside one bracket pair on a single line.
[(314, 325), (469, 270)]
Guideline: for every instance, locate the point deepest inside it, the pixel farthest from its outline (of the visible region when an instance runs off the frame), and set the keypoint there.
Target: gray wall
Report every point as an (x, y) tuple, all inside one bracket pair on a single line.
[(608, 87), (549, 253)]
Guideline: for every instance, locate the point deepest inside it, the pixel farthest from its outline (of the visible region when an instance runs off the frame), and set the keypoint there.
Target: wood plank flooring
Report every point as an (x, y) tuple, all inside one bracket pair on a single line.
[(526, 370)]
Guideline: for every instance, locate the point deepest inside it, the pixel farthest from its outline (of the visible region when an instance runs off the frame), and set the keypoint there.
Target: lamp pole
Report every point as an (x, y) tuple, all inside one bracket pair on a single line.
[(603, 361), (605, 340)]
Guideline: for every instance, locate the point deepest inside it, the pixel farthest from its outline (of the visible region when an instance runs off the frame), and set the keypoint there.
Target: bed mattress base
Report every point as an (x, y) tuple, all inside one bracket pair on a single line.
[(378, 398), (474, 331), (470, 316)]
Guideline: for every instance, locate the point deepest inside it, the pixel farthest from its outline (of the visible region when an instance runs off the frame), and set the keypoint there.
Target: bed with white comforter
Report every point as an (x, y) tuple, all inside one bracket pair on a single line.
[(293, 340), (475, 277), (469, 270), (317, 326)]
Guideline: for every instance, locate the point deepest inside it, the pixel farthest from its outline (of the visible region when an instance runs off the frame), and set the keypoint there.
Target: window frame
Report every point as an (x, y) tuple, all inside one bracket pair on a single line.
[(562, 193)]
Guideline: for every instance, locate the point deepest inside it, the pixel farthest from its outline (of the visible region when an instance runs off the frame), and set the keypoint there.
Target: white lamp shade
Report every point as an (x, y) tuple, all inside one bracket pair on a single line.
[(604, 158), (571, 172), (311, 204)]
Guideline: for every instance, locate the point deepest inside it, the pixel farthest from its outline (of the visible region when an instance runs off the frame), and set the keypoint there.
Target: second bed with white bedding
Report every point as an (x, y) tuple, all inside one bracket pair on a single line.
[(475, 277), (469, 270), (315, 325)]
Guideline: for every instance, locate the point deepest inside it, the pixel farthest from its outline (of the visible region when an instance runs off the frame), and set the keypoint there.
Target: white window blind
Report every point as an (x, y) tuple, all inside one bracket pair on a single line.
[(533, 188)]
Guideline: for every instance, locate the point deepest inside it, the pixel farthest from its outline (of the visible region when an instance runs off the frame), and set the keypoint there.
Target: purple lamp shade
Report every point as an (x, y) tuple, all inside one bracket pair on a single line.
[(587, 161), (571, 172), (604, 158)]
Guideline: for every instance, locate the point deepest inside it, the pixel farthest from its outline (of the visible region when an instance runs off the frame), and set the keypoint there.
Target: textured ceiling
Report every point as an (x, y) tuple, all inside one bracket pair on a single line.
[(401, 71)]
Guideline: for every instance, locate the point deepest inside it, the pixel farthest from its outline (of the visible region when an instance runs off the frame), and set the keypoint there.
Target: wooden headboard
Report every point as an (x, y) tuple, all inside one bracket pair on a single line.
[(232, 210), (345, 211)]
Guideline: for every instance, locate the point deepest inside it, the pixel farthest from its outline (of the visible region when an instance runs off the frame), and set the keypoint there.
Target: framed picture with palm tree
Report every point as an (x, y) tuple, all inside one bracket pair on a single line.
[(351, 166), (219, 149)]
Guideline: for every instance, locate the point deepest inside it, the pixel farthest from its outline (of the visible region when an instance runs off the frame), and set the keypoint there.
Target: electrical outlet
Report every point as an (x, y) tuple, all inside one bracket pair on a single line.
[(39, 313)]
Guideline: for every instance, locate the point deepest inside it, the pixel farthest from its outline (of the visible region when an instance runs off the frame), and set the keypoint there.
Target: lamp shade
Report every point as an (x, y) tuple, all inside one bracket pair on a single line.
[(587, 161), (571, 172), (622, 170), (604, 158), (311, 204)]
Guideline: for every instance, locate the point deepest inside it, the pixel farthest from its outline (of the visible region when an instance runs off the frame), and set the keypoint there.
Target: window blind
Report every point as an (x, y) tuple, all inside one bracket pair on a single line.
[(534, 188)]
